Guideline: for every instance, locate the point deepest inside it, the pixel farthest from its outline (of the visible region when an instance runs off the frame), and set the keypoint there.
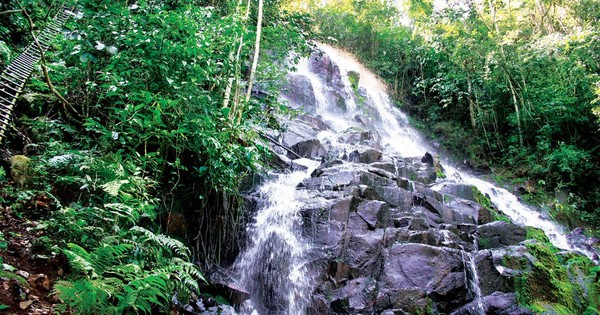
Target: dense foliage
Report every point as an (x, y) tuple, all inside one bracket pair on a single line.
[(156, 134), (509, 84)]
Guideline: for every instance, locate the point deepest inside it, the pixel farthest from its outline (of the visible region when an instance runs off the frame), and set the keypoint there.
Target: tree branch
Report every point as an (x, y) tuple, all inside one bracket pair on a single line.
[(10, 11)]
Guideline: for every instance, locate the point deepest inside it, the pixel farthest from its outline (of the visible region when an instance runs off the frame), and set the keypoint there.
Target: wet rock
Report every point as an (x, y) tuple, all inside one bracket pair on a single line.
[(299, 91), (499, 233), (463, 191), (362, 253), (578, 239), (470, 211), (314, 122), (387, 166), (297, 131), (432, 271), (355, 297), (311, 149), (375, 213), (369, 156), (490, 279), (497, 303), (321, 64)]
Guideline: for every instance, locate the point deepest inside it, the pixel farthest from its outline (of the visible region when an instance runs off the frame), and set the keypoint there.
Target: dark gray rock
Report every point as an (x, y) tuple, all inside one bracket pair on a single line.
[(375, 213), (322, 65), (433, 271), (470, 211), (299, 91), (499, 233), (311, 149), (369, 156), (497, 303), (490, 279)]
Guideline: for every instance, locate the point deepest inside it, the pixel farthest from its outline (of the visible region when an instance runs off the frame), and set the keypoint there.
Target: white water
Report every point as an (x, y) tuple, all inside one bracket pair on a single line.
[(273, 268), (399, 138)]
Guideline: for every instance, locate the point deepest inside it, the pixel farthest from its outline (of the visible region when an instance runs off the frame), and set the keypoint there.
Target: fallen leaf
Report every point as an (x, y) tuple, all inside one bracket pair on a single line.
[(25, 304), (60, 272), (22, 273)]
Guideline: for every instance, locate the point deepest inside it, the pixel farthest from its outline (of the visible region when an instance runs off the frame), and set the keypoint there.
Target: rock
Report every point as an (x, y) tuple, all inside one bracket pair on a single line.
[(470, 211), (311, 149), (322, 65), (463, 191), (497, 303), (355, 297), (354, 77), (362, 253), (499, 233), (369, 156), (387, 166), (427, 159), (314, 122), (490, 278), (433, 271), (299, 91), (20, 170), (297, 131), (588, 244), (375, 213)]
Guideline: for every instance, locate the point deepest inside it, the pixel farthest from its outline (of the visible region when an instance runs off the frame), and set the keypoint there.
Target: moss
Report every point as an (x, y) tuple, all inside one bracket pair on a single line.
[(514, 262), (20, 170), (537, 234), (354, 77), (548, 282), (485, 202)]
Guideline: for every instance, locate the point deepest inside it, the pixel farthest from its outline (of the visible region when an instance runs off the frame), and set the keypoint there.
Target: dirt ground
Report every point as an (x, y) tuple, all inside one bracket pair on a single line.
[(27, 273)]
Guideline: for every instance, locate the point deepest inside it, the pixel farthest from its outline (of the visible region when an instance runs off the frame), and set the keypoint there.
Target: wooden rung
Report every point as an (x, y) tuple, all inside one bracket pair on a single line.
[(19, 69), (6, 108), (11, 81), (6, 100), (8, 79), (6, 86), (16, 71), (17, 74), (8, 75)]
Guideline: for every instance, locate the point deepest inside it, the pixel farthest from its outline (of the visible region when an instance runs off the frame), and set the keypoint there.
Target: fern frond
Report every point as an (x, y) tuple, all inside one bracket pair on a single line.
[(80, 260), (174, 245)]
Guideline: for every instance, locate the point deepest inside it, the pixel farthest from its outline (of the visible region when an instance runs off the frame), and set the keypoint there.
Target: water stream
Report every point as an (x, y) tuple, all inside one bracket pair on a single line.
[(273, 267), (398, 137)]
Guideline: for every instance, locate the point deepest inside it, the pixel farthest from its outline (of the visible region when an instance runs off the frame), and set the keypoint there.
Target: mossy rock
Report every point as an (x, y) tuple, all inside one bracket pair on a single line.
[(354, 77), (20, 170)]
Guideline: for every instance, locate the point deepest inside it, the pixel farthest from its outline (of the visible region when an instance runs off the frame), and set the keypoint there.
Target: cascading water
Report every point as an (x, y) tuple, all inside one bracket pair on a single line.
[(398, 138), (273, 268)]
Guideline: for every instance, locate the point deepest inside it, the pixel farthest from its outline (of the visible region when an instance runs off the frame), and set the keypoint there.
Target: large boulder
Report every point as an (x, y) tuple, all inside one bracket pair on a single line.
[(327, 70), (299, 91), (311, 149), (500, 233), (434, 272)]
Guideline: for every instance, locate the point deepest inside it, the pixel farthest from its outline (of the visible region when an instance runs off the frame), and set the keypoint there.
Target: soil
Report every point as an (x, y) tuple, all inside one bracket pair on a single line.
[(28, 271)]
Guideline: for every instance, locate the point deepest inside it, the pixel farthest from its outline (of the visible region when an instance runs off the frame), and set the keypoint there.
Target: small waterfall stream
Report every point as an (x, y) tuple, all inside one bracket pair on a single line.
[(273, 267)]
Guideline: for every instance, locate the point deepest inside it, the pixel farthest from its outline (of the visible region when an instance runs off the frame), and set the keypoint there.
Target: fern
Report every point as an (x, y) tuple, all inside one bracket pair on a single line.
[(128, 272), (163, 241)]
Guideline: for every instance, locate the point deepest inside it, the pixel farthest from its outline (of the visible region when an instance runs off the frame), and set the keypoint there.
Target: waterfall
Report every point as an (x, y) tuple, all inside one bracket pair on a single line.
[(273, 267), (398, 137)]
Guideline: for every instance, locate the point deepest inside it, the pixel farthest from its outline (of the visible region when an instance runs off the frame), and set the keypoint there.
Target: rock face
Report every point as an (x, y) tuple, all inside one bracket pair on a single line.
[(382, 240)]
